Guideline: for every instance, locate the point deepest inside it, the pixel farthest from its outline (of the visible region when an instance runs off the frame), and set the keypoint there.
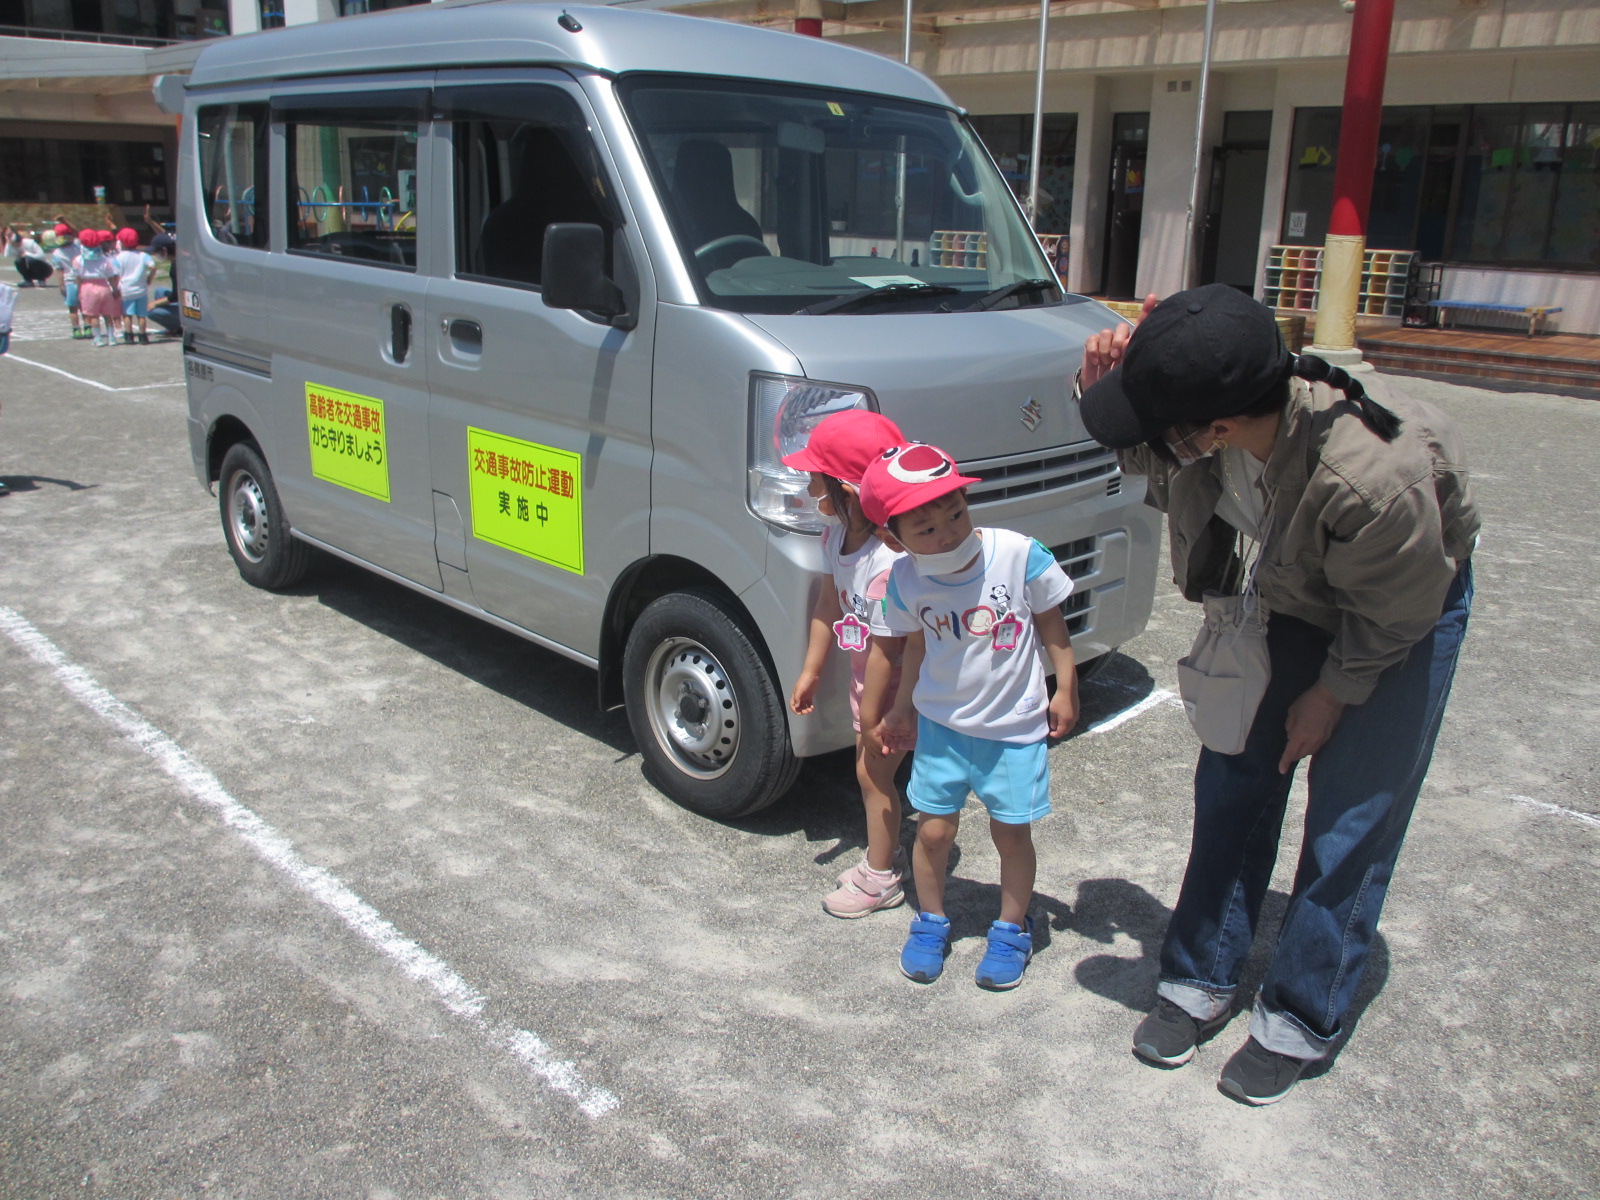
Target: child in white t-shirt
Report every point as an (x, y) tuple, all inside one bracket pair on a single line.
[(974, 608), (848, 614), (135, 269)]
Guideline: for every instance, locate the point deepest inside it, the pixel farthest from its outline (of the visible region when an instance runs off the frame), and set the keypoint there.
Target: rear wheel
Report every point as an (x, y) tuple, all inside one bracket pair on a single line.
[(704, 709), (254, 524)]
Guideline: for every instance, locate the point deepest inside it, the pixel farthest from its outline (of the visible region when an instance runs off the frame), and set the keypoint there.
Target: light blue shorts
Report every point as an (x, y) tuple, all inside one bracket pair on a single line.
[(71, 294), (136, 306), (1013, 781)]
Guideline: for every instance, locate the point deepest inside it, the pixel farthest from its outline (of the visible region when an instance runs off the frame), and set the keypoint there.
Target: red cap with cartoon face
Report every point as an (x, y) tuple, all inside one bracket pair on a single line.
[(906, 477)]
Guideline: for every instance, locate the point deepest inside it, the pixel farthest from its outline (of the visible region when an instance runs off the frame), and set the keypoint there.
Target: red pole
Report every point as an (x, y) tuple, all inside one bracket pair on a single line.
[(808, 17), (1344, 251), (1363, 114)]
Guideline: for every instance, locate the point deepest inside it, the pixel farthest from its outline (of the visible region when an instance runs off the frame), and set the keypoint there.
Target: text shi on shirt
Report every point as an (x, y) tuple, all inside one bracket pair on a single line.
[(982, 672)]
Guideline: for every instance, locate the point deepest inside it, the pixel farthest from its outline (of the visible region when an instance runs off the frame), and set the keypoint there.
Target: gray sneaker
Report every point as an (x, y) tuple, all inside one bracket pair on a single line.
[(1259, 1076), (1168, 1036)]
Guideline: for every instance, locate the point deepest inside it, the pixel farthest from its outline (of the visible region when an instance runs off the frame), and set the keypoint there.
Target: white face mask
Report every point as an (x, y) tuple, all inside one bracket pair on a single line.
[(951, 560), (1187, 453)]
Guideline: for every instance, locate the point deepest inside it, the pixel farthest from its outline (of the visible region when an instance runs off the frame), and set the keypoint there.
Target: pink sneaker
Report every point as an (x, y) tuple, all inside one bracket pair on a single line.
[(862, 891), (900, 865)]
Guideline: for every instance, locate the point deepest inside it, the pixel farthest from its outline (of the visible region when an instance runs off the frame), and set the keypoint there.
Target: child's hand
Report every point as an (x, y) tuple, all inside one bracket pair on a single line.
[(1064, 708), (897, 732), (801, 700)]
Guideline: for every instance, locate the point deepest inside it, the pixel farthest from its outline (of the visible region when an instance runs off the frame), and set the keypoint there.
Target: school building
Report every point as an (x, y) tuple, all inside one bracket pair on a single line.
[(1488, 169)]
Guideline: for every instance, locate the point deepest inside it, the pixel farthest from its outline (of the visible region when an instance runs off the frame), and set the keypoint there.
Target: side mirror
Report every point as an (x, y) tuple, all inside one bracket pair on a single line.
[(574, 272)]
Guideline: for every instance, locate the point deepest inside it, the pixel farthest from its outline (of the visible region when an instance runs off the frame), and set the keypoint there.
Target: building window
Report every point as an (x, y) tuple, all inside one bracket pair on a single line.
[(354, 8), (1493, 184), (61, 170), (272, 14), (1009, 139)]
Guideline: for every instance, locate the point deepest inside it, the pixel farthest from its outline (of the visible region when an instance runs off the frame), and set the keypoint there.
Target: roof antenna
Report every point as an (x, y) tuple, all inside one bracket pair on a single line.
[(569, 22)]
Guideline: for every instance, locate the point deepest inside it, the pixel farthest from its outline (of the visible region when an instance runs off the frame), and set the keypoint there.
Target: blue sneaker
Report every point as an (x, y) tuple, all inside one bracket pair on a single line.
[(929, 941), (1010, 948)]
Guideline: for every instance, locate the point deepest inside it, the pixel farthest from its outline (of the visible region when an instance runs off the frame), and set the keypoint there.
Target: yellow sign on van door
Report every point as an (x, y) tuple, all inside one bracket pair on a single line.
[(527, 498), (349, 440)]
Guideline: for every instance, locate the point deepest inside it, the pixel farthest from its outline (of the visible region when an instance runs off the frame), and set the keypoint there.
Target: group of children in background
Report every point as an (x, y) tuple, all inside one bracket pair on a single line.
[(946, 626), (105, 281)]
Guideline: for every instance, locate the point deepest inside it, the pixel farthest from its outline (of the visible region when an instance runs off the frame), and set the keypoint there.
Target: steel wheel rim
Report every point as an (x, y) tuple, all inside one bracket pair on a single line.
[(247, 517), (693, 708)]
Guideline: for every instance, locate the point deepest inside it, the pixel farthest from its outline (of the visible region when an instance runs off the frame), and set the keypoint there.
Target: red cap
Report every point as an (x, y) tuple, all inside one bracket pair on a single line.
[(907, 477), (843, 443), (92, 237), (129, 237), (63, 230)]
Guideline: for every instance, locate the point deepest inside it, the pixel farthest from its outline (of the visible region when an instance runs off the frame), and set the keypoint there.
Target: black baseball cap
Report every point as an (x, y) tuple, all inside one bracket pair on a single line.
[(1202, 354), (163, 241)]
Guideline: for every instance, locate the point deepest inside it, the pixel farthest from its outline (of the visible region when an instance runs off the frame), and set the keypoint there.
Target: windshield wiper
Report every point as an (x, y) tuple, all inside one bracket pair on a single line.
[(894, 291), (1000, 295)]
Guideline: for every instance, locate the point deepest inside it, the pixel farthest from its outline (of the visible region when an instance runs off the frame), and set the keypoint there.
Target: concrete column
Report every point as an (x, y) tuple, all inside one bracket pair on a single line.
[(1169, 175), (308, 12), (1090, 182)]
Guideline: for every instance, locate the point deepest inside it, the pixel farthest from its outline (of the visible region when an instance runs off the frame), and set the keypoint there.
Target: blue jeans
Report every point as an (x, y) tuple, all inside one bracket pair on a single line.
[(1362, 787)]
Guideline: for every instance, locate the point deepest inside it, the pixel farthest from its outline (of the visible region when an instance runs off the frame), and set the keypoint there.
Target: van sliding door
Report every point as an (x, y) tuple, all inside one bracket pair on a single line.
[(348, 295), (541, 417)]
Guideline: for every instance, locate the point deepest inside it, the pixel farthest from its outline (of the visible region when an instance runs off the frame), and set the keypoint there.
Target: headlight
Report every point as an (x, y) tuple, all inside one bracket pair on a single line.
[(783, 412)]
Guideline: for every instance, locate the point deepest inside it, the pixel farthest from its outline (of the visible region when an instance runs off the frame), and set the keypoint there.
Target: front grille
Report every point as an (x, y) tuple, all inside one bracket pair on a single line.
[(1055, 469), (1077, 559)]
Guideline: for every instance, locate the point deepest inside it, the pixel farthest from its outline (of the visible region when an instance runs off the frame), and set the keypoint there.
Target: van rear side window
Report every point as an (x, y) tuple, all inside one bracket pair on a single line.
[(353, 188), (233, 172)]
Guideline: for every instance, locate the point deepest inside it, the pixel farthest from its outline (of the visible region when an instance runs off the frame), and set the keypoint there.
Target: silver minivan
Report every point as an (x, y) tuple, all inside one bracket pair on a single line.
[(520, 306)]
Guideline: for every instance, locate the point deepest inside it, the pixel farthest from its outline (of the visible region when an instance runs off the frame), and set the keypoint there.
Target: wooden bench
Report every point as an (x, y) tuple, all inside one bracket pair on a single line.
[(1535, 313)]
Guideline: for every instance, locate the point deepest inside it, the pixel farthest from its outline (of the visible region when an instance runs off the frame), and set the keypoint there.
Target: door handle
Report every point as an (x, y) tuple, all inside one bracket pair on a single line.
[(466, 336), (399, 333)]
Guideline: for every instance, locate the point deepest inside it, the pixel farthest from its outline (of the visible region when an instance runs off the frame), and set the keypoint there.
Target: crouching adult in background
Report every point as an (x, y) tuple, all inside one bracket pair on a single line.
[(1356, 501)]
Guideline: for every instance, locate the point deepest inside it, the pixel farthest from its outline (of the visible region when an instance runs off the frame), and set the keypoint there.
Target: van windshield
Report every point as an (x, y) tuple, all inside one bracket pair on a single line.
[(790, 199)]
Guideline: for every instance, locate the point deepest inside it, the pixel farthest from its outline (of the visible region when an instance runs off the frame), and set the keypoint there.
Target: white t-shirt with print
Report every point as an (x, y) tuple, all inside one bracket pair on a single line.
[(981, 673), (860, 580)]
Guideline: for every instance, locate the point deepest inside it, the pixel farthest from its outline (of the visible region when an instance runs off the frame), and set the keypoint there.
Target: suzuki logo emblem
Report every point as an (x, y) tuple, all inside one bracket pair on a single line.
[(1032, 414)]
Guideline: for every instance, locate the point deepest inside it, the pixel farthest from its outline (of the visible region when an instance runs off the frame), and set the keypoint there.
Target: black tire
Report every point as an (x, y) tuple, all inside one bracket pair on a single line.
[(704, 709), (254, 524)]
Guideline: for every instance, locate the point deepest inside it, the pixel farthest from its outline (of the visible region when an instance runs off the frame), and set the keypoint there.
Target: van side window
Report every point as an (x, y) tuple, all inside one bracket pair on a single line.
[(524, 160), (352, 187), (233, 172)]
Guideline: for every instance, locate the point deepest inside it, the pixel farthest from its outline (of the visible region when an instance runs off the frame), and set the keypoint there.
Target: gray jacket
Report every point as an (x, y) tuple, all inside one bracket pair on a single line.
[(1364, 535)]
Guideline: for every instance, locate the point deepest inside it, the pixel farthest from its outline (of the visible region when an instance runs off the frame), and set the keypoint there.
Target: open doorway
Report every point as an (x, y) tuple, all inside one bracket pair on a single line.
[(1130, 138), (1231, 233)]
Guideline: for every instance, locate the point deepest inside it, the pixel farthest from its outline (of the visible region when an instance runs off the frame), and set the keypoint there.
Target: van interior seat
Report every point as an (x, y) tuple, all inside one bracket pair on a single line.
[(704, 196), (547, 188)]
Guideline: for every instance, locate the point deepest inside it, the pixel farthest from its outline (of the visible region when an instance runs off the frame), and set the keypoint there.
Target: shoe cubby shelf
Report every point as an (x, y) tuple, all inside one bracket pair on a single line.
[(1294, 278)]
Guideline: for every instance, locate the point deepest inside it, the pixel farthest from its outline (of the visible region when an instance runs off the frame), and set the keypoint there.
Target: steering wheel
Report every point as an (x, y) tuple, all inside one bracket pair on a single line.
[(729, 249)]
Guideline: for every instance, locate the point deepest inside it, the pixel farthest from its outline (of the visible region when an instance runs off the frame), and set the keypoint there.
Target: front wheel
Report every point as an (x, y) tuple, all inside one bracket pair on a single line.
[(703, 707), (253, 521)]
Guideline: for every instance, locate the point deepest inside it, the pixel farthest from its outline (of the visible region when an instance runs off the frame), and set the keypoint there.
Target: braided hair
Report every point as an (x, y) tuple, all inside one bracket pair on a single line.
[(1316, 370)]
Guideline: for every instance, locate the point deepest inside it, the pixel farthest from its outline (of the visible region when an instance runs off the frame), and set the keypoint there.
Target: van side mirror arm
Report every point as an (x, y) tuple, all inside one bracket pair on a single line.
[(574, 274)]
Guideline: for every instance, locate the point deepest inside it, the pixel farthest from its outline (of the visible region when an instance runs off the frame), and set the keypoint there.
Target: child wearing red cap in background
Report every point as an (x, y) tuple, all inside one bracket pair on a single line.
[(970, 608), (97, 287), (135, 269), (65, 260), (848, 614)]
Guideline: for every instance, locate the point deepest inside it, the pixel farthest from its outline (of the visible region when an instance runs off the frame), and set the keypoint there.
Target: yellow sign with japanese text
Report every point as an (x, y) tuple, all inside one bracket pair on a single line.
[(349, 440), (527, 498)]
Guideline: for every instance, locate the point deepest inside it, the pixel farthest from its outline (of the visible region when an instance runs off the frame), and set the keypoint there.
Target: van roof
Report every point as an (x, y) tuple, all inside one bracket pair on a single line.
[(477, 33)]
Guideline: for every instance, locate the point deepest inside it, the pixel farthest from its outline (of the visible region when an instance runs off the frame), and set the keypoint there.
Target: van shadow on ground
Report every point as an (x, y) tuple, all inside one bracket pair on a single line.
[(542, 680)]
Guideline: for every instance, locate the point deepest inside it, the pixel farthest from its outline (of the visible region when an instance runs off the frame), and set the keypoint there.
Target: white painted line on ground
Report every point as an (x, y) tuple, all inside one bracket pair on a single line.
[(1157, 697), (457, 996), (104, 387), (1557, 810)]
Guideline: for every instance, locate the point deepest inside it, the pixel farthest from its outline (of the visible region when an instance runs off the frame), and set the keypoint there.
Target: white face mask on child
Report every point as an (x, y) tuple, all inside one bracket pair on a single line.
[(951, 560)]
